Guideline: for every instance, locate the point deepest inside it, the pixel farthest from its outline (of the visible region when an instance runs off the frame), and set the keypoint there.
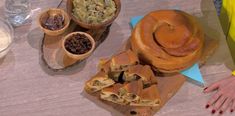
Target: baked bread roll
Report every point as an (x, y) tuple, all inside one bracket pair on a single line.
[(143, 72), (123, 60), (148, 97), (98, 82), (169, 40)]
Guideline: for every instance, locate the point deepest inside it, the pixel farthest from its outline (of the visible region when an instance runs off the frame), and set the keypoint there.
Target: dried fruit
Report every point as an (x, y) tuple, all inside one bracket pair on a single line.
[(55, 22), (78, 44)]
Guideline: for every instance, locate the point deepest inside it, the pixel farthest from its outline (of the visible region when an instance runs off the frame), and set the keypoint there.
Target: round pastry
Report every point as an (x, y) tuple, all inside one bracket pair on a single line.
[(169, 40)]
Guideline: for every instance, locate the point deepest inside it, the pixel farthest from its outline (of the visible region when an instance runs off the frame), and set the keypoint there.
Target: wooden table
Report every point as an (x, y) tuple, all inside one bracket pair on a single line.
[(28, 88)]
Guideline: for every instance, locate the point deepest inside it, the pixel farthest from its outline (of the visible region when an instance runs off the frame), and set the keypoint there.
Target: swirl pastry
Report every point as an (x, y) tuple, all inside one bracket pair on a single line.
[(169, 40)]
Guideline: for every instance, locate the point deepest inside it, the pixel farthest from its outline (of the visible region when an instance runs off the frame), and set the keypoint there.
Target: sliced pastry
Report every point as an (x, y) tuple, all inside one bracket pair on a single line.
[(143, 72), (123, 60), (112, 94), (148, 97), (131, 91), (98, 82), (104, 65)]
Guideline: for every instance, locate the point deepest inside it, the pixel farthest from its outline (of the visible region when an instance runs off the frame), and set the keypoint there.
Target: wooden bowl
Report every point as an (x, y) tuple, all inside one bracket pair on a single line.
[(92, 26), (52, 12), (78, 56)]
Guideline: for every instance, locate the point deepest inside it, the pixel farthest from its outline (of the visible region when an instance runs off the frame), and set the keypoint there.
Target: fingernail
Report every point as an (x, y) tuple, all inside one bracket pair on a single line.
[(207, 106), (205, 88), (220, 112), (213, 111), (231, 110)]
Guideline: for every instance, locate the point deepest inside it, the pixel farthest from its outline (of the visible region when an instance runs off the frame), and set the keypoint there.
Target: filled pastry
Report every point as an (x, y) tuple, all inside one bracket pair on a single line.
[(148, 97), (98, 82), (123, 60), (112, 94), (143, 72), (131, 91)]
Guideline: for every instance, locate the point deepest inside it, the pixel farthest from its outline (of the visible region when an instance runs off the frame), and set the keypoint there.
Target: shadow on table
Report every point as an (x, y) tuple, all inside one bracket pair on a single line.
[(211, 29), (35, 37)]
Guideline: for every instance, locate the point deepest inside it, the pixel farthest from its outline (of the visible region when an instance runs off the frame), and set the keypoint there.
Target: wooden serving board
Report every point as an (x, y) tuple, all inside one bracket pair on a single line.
[(168, 85), (51, 49)]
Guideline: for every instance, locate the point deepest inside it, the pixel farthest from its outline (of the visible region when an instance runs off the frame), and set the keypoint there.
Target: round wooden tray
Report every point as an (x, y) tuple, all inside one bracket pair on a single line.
[(54, 57)]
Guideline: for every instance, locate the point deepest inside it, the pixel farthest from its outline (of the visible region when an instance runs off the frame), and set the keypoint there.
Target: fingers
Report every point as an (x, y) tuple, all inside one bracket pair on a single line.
[(214, 98), (219, 103), (226, 105), (233, 106), (212, 87)]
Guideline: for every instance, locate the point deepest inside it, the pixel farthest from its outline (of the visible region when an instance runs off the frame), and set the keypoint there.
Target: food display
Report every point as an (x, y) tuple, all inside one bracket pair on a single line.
[(122, 80), (169, 40), (94, 11), (55, 22)]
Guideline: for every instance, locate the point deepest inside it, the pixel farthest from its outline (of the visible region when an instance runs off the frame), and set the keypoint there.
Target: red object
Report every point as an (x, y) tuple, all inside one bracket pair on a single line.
[(207, 106), (220, 112), (213, 111)]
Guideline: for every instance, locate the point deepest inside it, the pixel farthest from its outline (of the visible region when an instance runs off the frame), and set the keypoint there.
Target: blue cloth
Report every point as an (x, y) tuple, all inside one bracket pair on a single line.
[(192, 72)]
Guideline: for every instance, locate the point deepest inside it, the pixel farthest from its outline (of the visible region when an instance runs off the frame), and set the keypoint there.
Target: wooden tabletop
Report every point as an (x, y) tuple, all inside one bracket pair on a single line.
[(28, 88)]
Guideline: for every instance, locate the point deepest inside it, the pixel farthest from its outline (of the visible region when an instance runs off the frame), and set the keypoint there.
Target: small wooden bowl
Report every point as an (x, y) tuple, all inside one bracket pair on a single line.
[(78, 56), (52, 12), (93, 26)]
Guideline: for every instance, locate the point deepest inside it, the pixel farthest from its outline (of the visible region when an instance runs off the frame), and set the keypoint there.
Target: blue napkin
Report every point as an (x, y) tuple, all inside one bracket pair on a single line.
[(192, 72)]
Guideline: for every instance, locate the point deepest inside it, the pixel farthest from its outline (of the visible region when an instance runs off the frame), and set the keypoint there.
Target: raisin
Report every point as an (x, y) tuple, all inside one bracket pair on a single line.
[(78, 44)]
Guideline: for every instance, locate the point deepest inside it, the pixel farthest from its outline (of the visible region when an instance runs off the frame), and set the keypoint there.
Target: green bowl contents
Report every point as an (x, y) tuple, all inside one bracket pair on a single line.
[(94, 11)]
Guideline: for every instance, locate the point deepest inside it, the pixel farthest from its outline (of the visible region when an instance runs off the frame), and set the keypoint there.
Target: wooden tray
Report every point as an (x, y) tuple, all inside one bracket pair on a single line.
[(168, 85), (51, 49)]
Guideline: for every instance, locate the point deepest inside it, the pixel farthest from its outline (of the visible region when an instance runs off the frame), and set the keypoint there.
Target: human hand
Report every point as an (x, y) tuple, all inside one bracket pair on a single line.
[(224, 98)]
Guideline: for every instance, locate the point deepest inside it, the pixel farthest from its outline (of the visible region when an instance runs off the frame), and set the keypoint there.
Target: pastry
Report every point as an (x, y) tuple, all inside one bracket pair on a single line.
[(121, 61), (104, 65), (98, 82), (148, 97), (169, 40), (131, 91), (112, 94), (143, 72)]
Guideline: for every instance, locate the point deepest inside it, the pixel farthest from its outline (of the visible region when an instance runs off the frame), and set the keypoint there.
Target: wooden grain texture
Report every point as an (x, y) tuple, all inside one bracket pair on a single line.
[(29, 88), (51, 48)]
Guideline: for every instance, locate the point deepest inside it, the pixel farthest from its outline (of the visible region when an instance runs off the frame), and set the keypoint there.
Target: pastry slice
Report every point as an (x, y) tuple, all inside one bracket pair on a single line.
[(116, 76), (112, 94), (123, 60), (131, 91), (104, 65), (143, 72), (148, 97), (98, 82)]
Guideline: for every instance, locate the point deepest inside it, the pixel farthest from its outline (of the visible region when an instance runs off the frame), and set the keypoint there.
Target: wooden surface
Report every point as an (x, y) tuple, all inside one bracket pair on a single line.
[(166, 93), (51, 48), (29, 88)]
